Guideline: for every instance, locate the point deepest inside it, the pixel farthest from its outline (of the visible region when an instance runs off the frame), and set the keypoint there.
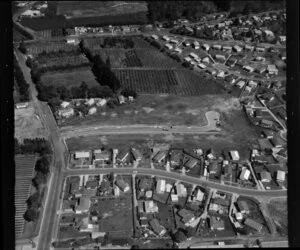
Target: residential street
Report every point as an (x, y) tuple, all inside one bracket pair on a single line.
[(184, 178)]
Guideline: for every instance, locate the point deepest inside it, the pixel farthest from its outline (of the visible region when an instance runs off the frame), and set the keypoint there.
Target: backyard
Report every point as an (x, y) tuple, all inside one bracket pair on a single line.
[(278, 211)]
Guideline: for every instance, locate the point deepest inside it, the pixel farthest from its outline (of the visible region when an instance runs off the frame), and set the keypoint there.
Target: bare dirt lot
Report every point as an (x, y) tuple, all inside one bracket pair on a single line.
[(159, 110), (28, 124), (278, 211)]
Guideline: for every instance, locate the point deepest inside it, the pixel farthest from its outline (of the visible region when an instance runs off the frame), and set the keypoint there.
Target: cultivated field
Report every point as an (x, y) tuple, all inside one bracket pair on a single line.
[(70, 79), (278, 211), (73, 9), (28, 124), (37, 48), (62, 61), (24, 173)]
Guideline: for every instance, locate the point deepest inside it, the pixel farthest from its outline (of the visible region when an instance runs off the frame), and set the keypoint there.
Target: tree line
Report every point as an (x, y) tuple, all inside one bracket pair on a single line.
[(43, 148), (21, 82)]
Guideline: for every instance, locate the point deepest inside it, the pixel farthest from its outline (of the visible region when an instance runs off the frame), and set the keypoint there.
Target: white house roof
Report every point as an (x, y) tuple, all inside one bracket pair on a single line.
[(234, 155), (82, 154)]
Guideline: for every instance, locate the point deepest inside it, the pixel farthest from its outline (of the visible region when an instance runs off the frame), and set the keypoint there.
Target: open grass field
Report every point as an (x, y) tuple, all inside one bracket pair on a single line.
[(70, 79), (73, 9), (28, 124), (75, 60), (160, 110), (278, 211)]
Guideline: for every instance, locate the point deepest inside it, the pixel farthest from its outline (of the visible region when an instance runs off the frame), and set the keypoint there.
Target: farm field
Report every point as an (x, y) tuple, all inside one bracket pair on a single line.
[(37, 48), (24, 173), (62, 61), (159, 109), (278, 211), (181, 82), (28, 124), (72, 9), (70, 79)]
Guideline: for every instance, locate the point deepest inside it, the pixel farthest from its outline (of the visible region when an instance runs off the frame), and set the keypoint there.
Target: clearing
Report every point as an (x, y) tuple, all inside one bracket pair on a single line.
[(278, 210), (28, 124)]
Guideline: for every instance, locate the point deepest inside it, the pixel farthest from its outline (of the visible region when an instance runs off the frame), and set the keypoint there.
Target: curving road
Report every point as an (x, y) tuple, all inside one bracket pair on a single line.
[(184, 178)]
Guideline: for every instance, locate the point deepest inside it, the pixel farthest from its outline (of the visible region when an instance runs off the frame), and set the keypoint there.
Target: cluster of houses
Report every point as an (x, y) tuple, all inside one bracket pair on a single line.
[(67, 109), (255, 27), (80, 30), (100, 157), (163, 192)]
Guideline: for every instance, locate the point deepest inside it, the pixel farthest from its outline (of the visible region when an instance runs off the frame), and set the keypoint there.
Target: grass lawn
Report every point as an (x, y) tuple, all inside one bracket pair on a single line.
[(278, 211), (70, 79), (116, 214)]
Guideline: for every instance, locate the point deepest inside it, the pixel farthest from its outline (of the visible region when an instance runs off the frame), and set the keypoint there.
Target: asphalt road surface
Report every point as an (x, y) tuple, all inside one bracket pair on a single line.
[(184, 178)]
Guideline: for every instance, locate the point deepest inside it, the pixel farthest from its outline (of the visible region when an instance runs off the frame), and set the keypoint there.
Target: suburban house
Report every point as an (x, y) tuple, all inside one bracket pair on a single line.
[(122, 185), (83, 205), (168, 46), (123, 156), (160, 186), (194, 56), (199, 195), (155, 37), (268, 134), (253, 224), (241, 84), (260, 49), (227, 48), (157, 228), (150, 207), (217, 46), (190, 162), (186, 43), (272, 70), (90, 102), (136, 154), (205, 59), (21, 105), (173, 41), (168, 187), (186, 216), (234, 155), (174, 197), (92, 111), (101, 156), (243, 207), (237, 48), (248, 68), (276, 142), (101, 103), (211, 71), (249, 47), (81, 154), (159, 156), (66, 113), (245, 174), (166, 38), (180, 190), (220, 57), (205, 47), (265, 176), (216, 223), (280, 176), (175, 158), (266, 123), (178, 50), (121, 99), (64, 104)]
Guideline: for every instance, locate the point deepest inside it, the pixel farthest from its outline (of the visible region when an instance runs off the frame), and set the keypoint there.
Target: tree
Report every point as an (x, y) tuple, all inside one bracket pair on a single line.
[(179, 236), (22, 47), (34, 200), (39, 179), (42, 165), (84, 89), (31, 214), (108, 64)]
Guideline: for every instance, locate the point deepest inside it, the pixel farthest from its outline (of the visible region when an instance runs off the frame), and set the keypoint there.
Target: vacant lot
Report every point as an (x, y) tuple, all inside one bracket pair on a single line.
[(160, 110), (278, 210), (28, 124), (70, 79), (115, 215), (73, 9)]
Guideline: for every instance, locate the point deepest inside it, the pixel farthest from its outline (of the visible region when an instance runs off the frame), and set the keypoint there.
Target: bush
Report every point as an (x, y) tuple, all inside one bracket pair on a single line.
[(31, 214)]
